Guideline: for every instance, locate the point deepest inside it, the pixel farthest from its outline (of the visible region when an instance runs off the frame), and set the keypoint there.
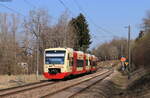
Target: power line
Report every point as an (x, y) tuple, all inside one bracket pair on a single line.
[(84, 12), (4, 6), (99, 27), (81, 9), (30, 4), (62, 3)]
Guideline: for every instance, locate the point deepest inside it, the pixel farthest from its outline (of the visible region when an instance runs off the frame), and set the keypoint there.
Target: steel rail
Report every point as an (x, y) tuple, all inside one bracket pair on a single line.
[(23, 88), (71, 90)]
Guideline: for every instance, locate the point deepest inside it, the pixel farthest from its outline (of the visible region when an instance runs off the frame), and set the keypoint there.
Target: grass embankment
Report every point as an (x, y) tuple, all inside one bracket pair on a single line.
[(137, 86), (140, 88), (108, 64), (17, 80)]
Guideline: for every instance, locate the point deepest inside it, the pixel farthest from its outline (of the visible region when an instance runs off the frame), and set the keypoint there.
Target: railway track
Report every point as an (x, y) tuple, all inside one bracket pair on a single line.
[(16, 90), (53, 88), (74, 89)]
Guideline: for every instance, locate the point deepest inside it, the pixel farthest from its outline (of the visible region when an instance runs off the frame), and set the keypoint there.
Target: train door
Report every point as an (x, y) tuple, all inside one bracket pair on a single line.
[(91, 64), (85, 63), (69, 63), (80, 62), (74, 67)]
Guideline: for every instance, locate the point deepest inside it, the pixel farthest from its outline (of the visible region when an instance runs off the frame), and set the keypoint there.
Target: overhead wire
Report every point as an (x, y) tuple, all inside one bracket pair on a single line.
[(30, 4), (99, 28), (15, 11), (63, 4)]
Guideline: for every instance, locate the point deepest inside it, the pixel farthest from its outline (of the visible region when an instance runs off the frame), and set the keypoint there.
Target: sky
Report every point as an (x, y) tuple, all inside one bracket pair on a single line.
[(106, 18)]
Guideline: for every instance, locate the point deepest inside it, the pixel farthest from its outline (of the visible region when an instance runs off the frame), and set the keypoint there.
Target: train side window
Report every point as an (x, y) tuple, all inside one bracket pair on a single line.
[(94, 63), (87, 63), (80, 63)]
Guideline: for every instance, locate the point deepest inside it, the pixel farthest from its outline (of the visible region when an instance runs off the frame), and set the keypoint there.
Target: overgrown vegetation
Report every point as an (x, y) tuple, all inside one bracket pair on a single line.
[(141, 49), (112, 50), (21, 40)]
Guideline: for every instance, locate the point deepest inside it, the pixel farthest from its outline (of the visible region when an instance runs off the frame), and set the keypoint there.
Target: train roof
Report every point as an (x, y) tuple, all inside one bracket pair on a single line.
[(59, 48), (71, 51), (80, 52)]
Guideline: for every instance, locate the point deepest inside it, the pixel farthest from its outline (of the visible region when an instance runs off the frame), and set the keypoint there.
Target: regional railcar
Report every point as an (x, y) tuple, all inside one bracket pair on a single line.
[(63, 62)]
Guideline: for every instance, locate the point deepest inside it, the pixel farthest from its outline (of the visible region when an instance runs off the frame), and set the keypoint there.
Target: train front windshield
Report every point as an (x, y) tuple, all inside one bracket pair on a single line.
[(54, 57)]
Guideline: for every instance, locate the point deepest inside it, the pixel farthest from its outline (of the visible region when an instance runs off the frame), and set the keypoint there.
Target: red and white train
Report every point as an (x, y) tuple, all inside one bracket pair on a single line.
[(60, 63)]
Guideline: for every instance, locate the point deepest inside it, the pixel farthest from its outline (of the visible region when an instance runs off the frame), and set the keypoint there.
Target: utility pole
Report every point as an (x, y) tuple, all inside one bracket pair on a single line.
[(121, 50), (38, 46), (65, 41), (37, 58), (129, 50)]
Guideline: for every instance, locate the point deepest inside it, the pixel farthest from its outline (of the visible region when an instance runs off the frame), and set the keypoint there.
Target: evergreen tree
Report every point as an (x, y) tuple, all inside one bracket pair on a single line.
[(141, 34), (82, 33)]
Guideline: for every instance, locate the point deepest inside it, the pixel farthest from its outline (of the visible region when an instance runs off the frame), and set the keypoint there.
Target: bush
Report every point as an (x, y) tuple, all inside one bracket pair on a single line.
[(141, 51)]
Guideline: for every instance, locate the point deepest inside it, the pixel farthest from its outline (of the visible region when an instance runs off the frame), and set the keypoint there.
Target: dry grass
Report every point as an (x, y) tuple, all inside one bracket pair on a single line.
[(135, 87), (17, 80), (120, 80), (110, 63)]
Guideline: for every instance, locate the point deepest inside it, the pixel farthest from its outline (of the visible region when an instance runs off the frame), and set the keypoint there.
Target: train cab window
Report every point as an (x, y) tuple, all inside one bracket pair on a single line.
[(80, 63), (54, 57)]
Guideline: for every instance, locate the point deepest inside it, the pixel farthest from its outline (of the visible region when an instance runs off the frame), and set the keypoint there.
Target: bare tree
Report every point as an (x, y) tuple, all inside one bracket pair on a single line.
[(146, 22), (36, 25), (112, 50), (141, 49), (8, 43)]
